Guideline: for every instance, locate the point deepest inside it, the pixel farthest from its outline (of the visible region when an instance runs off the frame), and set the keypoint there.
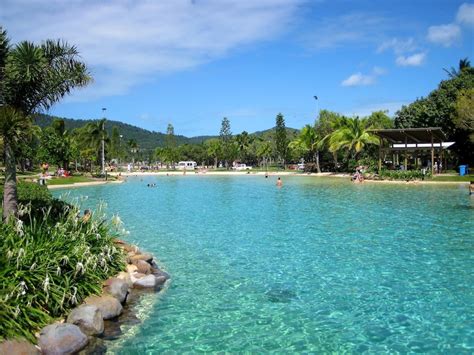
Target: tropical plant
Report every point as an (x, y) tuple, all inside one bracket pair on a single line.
[(225, 136), (214, 150), (352, 135), (309, 142), (33, 77), (48, 266)]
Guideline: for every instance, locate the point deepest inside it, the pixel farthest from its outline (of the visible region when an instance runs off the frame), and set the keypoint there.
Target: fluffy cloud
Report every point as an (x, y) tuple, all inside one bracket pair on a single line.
[(398, 46), (445, 35), (359, 79), (130, 42), (414, 60), (465, 14)]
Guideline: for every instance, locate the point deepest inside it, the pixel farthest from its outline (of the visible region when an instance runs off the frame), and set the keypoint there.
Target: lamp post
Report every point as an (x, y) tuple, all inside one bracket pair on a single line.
[(103, 141), (120, 148), (317, 101)]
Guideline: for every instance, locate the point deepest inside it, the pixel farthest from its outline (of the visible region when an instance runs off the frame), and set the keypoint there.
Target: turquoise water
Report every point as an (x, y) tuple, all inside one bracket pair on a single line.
[(320, 265)]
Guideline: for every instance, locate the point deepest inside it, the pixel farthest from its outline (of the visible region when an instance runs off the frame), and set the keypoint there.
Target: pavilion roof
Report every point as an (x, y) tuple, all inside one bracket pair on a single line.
[(411, 135)]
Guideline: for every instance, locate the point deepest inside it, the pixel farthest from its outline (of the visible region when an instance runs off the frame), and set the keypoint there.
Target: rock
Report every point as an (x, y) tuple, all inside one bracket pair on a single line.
[(88, 318), (108, 305), (145, 256), (18, 347), (143, 267), (160, 280), (61, 339), (117, 288), (157, 272), (126, 277), (145, 282), (131, 268)]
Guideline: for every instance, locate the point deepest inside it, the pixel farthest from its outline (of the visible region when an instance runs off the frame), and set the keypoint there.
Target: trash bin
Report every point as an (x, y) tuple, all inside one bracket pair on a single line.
[(462, 170)]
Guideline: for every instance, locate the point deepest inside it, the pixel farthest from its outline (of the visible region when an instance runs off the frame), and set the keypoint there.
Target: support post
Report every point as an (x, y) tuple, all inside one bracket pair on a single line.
[(380, 155), (432, 156), (406, 154)]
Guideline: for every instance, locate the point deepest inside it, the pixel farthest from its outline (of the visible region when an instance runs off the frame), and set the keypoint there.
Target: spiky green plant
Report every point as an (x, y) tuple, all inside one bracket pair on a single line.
[(48, 266)]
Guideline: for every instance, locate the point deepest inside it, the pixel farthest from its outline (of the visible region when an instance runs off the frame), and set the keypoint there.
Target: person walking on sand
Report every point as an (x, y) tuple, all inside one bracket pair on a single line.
[(279, 182)]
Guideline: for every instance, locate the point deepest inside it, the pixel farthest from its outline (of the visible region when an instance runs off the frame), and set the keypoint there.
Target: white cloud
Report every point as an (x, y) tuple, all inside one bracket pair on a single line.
[(353, 28), (445, 35), (359, 79), (130, 42), (465, 14), (398, 46), (413, 60)]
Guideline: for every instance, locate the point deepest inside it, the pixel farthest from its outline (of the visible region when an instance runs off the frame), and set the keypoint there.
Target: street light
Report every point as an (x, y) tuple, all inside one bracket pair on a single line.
[(103, 143)]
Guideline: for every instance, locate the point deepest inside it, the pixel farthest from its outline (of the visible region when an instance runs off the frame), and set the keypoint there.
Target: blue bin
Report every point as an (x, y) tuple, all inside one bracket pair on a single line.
[(462, 170)]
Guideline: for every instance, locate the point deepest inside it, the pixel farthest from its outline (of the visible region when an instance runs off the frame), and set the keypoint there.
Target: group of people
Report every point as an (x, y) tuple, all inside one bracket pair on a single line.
[(358, 177), (151, 185)]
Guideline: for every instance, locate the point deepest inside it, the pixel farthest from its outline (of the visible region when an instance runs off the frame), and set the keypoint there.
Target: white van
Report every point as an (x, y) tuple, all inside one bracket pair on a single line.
[(188, 165)]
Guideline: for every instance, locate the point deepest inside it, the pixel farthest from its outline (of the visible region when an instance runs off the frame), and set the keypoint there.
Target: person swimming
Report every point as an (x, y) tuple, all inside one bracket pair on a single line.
[(279, 182)]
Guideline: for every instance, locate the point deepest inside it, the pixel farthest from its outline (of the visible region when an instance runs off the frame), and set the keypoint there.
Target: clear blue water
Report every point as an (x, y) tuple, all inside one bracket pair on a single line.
[(320, 265)]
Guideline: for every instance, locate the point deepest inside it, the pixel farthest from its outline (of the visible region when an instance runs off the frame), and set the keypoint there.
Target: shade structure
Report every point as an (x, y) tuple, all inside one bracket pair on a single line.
[(414, 139)]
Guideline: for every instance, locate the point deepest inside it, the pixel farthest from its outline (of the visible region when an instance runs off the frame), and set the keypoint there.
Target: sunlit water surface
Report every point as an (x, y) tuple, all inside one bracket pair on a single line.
[(320, 265)]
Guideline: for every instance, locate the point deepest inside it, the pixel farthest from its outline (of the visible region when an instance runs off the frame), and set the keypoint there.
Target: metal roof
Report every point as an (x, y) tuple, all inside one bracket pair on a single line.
[(411, 135)]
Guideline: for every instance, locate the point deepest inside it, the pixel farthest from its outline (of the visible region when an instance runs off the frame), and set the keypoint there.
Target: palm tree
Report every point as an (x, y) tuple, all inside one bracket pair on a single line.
[(243, 142), (93, 135), (15, 128), (264, 151), (34, 77), (133, 145), (352, 135), (309, 142), (464, 64)]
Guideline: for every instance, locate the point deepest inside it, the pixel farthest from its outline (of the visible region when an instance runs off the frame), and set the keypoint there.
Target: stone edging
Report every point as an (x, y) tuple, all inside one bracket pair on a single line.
[(74, 333)]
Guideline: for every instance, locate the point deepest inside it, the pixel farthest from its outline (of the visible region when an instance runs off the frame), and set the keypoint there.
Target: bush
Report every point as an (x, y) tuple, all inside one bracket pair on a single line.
[(403, 174), (47, 268), (40, 199)]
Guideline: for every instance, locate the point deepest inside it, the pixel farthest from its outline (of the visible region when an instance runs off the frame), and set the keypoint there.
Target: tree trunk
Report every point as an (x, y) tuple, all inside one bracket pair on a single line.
[(10, 197), (215, 163), (316, 159)]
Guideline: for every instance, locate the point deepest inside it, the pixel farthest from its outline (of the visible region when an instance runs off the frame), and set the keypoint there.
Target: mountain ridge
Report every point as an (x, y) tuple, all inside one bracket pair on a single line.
[(146, 139)]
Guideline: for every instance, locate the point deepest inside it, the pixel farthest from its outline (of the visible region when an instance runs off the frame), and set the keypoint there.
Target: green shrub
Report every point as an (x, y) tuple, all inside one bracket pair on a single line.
[(47, 268), (40, 199), (31, 192), (403, 175)]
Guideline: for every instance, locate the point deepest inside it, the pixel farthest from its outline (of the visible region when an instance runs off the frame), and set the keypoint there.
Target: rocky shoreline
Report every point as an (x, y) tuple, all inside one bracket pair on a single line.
[(99, 317)]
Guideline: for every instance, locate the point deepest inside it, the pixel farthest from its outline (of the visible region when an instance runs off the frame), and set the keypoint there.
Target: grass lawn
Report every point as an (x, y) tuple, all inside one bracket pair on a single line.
[(68, 180), (469, 177)]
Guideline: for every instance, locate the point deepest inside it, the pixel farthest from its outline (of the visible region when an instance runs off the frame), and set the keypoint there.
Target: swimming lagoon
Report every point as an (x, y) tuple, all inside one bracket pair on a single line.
[(320, 265)]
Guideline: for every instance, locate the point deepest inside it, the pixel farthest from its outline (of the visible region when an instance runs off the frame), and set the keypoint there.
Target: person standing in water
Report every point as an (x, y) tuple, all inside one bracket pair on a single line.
[(279, 182)]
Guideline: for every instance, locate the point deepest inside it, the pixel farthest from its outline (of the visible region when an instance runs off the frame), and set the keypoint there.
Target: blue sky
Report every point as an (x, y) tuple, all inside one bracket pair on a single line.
[(190, 63)]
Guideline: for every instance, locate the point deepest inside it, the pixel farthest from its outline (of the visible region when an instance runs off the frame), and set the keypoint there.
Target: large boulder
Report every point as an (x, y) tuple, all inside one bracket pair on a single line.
[(117, 288), (61, 338), (88, 318), (145, 282), (108, 305), (122, 275), (145, 257), (160, 280), (143, 267), (18, 347), (132, 268)]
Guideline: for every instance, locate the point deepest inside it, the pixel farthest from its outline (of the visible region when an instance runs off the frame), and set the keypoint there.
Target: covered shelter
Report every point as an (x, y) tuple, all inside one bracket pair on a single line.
[(405, 140)]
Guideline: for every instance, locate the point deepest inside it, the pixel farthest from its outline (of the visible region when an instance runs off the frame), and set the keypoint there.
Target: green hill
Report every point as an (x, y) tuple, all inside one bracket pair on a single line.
[(146, 139)]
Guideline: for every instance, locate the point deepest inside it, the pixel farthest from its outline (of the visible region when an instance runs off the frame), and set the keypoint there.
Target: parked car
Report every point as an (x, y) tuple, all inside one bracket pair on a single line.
[(241, 167)]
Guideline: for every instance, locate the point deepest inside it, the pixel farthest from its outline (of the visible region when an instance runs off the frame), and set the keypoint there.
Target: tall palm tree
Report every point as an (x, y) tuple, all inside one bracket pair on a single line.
[(243, 142), (264, 151), (309, 142), (93, 135), (34, 77), (15, 128), (352, 135)]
